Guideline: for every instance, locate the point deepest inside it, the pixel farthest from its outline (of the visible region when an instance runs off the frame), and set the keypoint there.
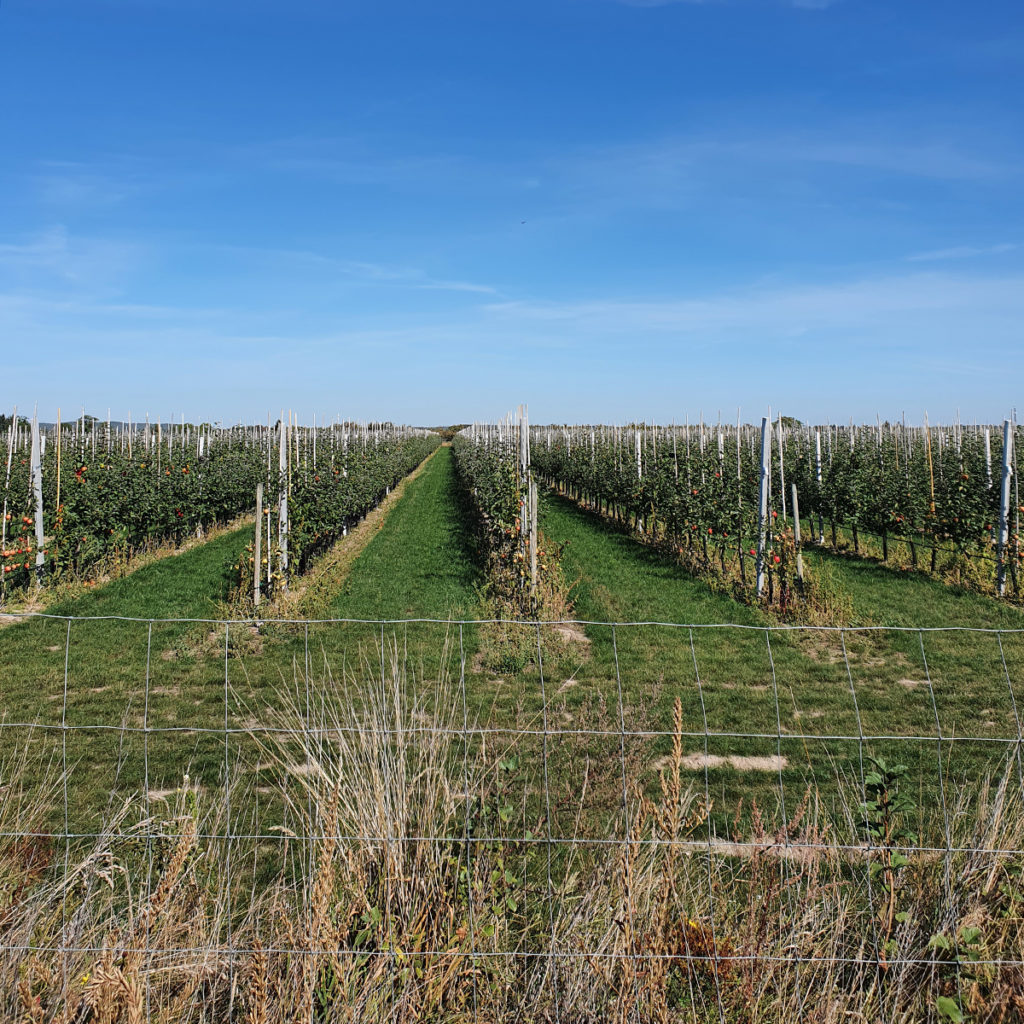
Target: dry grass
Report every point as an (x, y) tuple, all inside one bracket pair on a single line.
[(398, 870)]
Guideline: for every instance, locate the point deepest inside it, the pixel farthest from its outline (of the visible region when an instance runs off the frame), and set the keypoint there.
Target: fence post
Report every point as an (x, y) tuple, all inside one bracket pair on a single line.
[(257, 569), (1004, 507), (762, 513), (796, 537)]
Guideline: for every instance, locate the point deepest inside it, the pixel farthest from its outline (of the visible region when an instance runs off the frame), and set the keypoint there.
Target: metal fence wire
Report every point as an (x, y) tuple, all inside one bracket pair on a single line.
[(474, 820)]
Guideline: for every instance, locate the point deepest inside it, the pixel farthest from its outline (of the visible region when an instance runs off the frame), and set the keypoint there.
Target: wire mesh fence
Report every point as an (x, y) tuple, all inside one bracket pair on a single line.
[(469, 820)]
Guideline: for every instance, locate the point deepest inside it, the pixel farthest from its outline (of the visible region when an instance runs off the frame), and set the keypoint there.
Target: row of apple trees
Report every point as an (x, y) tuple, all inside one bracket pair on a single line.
[(103, 497)]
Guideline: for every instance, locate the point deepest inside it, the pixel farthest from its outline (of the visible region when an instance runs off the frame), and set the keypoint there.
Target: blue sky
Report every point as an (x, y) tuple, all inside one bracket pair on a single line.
[(432, 212)]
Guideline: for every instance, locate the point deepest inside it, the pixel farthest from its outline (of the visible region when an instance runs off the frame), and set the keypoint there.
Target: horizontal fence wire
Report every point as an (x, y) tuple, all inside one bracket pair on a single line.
[(601, 818)]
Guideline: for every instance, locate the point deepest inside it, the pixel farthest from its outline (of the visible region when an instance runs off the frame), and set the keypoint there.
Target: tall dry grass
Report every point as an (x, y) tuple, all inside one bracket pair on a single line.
[(393, 873)]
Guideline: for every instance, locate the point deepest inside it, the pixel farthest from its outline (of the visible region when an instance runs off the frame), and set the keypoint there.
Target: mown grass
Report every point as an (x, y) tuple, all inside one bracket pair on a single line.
[(92, 674), (764, 712), (148, 700), (378, 840), (792, 693)]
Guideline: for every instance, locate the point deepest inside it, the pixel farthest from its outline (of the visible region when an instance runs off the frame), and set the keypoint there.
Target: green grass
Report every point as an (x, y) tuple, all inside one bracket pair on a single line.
[(174, 676), (420, 564), (800, 688), (107, 665), (595, 700)]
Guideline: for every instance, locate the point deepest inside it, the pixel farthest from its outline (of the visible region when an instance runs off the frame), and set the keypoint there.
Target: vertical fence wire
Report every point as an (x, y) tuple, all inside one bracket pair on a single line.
[(861, 759), (467, 852), (704, 968), (1013, 706), (707, 804), (787, 863), (553, 961)]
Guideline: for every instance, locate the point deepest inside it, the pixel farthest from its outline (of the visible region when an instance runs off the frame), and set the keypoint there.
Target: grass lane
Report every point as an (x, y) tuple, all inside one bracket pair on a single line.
[(107, 665), (420, 564), (123, 677), (793, 686)]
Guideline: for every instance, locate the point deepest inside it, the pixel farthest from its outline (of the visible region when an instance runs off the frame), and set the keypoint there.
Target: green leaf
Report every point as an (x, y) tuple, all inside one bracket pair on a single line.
[(939, 941), (949, 1009)]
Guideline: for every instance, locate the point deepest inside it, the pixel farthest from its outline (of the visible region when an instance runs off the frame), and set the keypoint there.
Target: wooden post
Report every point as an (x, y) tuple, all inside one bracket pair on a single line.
[(1004, 507), (257, 569), (796, 538), (762, 513)]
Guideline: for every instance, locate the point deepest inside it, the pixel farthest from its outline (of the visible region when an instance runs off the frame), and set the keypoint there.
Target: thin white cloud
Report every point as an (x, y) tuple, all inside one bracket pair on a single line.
[(880, 307), (55, 256), (898, 310), (674, 171), (918, 327), (963, 252), (72, 186), (364, 271)]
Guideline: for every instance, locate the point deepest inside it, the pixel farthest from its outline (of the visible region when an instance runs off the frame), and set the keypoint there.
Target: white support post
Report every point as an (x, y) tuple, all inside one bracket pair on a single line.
[(11, 435), (533, 542), (782, 472), (257, 568), (817, 470), (1004, 507), (762, 513), (282, 512), (37, 494), (796, 537)]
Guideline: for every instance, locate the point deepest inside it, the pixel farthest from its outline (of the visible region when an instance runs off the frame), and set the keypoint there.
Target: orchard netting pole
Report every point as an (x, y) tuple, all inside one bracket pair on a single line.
[(1004, 506), (762, 512)]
